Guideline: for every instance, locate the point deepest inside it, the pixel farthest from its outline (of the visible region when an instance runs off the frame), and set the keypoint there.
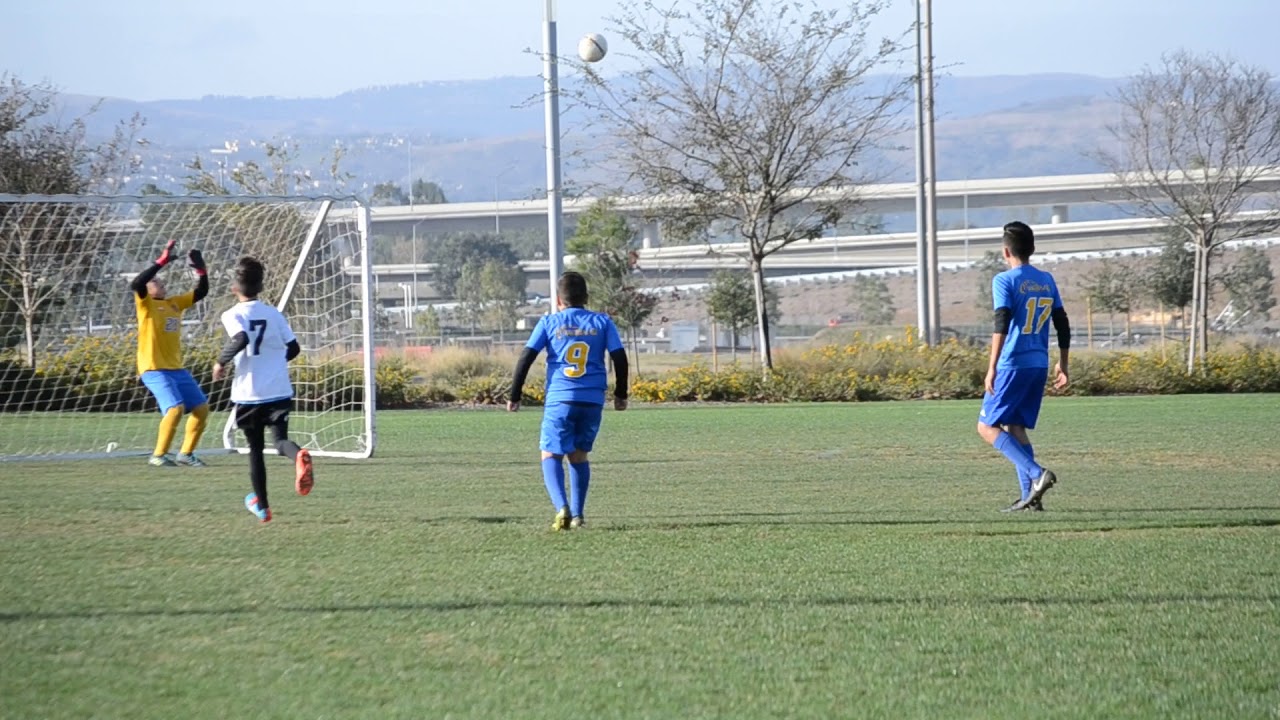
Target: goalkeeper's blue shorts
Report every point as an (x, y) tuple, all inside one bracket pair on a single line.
[(174, 387)]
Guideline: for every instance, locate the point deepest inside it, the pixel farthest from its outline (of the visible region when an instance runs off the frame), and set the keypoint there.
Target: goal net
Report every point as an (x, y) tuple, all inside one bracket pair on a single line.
[(69, 385)]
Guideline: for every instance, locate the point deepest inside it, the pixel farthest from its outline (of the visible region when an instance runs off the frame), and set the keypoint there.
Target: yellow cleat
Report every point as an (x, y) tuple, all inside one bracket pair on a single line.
[(562, 520)]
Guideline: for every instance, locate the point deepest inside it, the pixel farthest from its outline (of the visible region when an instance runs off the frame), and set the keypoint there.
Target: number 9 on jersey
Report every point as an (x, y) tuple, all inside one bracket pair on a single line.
[(575, 360)]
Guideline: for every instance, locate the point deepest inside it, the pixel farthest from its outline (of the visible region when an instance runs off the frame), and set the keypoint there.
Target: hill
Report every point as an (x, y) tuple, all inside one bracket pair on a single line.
[(483, 138)]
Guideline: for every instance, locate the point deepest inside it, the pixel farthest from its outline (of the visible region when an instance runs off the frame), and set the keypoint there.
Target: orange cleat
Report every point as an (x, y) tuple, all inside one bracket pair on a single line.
[(305, 477)]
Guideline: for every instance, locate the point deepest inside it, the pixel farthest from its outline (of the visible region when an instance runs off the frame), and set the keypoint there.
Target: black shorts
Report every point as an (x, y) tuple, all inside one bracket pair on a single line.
[(274, 415)]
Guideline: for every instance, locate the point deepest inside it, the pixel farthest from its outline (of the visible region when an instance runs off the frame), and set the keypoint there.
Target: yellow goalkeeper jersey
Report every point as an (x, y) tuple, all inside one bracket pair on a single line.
[(160, 331)]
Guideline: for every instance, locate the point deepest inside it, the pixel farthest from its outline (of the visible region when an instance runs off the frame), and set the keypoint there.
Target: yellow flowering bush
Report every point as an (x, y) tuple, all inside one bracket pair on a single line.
[(98, 373)]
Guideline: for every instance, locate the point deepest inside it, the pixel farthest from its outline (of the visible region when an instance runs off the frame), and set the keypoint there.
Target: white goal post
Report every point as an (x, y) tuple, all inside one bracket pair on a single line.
[(69, 385)]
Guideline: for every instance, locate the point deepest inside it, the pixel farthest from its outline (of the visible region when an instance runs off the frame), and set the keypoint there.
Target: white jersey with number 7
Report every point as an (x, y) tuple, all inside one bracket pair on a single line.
[(262, 367)]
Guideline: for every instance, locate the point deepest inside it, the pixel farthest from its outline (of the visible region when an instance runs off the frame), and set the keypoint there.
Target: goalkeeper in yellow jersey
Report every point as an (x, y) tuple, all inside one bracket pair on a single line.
[(160, 357)]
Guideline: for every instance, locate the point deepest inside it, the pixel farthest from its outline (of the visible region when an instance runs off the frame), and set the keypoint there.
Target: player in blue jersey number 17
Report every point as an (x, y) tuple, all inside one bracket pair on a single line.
[(1026, 299), (577, 341)]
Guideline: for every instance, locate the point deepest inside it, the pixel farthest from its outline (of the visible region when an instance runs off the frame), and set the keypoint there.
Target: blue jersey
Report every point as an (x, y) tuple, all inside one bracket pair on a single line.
[(1032, 295), (576, 342)]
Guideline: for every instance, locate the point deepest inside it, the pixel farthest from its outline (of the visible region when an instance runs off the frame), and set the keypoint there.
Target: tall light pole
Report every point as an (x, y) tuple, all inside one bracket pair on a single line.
[(922, 223), (497, 223), (551, 105), (931, 172), (410, 155)]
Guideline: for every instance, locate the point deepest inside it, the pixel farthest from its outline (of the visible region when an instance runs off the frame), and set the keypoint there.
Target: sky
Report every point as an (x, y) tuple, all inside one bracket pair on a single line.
[(153, 49)]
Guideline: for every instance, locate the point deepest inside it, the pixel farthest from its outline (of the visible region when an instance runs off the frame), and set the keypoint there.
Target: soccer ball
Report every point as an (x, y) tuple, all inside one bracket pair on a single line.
[(592, 47)]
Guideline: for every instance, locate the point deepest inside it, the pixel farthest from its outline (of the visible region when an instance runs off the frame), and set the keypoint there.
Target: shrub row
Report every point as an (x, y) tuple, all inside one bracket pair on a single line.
[(89, 374)]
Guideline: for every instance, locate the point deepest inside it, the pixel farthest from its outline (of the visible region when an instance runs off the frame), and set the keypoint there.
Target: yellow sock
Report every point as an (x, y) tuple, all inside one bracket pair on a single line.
[(168, 428), (195, 428)]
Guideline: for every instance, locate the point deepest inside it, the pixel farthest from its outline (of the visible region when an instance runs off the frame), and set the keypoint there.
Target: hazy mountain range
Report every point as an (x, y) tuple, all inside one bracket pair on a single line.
[(481, 138)]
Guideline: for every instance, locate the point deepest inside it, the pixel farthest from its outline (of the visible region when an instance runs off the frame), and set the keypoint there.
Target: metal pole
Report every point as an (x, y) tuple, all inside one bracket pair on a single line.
[(410, 174), (922, 267), (415, 267), (551, 103), (931, 173)]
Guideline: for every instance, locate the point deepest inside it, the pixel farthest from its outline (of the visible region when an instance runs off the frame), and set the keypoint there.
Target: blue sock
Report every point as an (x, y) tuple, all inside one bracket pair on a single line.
[(1011, 449), (553, 476), (579, 479), (1024, 480)]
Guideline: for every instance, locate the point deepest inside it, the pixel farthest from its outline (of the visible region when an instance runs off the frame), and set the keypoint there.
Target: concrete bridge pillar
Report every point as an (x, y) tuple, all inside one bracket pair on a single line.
[(651, 236), (1059, 214)]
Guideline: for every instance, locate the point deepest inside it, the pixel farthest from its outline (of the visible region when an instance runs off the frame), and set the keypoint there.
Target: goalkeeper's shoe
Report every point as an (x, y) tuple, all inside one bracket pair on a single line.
[(251, 504), (562, 520), (577, 523), (306, 478), (190, 460), (161, 461), (1036, 506)]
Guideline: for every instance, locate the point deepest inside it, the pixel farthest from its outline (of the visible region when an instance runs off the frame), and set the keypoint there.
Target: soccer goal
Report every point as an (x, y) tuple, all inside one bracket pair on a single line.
[(69, 386)]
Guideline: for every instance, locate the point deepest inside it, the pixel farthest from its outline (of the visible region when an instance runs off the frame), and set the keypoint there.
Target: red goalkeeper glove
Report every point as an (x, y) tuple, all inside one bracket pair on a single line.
[(196, 261), (168, 253)]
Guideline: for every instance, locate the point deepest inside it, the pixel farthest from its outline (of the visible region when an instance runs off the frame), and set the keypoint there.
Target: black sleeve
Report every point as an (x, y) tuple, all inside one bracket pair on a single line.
[(202, 288), (1063, 326), (522, 371), (234, 345), (139, 283), (292, 350), (1003, 317), (620, 368)]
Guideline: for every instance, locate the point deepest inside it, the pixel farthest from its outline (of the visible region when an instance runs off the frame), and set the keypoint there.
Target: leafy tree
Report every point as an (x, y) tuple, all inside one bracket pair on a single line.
[(490, 291), (428, 322), (452, 254), (503, 286), (731, 302), (1249, 283), (1112, 287), (872, 300), (50, 251), (469, 292), (1198, 129), (1171, 274), (602, 251), (758, 114), (387, 193), (426, 192), (991, 264), (528, 243)]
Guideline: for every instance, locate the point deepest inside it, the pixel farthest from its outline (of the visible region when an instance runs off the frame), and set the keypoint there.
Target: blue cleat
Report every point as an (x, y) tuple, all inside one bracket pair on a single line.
[(251, 504)]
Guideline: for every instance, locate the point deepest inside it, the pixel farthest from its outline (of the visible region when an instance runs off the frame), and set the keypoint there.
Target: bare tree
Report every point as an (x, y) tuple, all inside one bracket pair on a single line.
[(760, 116), (48, 250), (1194, 136)]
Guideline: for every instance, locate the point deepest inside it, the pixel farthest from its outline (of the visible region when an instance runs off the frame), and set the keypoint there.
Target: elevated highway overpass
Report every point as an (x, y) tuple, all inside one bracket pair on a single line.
[(1059, 192), (678, 265)]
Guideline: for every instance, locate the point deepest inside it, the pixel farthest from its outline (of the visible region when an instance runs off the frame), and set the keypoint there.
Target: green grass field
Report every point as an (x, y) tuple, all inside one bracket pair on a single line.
[(741, 562)]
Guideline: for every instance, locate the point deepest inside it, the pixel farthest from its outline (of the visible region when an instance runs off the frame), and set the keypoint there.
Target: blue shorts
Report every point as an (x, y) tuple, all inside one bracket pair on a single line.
[(566, 428), (174, 387), (1017, 397)]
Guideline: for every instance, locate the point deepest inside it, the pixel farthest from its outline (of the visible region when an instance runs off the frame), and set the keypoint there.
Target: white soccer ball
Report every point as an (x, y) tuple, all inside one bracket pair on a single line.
[(592, 47)]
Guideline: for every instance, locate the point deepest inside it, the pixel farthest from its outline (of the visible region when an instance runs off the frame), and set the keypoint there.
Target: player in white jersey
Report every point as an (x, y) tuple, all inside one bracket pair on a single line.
[(262, 344)]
